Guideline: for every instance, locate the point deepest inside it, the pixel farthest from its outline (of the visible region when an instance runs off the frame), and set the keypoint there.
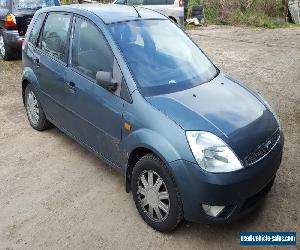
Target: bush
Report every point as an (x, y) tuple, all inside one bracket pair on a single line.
[(262, 13)]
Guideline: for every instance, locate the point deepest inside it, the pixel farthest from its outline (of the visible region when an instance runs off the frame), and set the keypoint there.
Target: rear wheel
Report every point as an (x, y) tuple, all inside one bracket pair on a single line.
[(5, 51), (35, 113), (155, 194)]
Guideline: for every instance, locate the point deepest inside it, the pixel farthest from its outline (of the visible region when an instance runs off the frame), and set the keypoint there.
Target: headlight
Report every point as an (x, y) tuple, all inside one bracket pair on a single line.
[(211, 153)]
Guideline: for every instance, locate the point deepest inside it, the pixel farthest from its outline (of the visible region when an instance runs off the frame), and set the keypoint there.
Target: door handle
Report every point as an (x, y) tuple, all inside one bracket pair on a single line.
[(36, 61), (72, 86)]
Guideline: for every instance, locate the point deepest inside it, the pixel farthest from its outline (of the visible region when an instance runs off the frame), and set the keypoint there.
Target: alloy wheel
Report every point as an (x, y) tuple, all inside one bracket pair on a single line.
[(32, 108), (153, 195)]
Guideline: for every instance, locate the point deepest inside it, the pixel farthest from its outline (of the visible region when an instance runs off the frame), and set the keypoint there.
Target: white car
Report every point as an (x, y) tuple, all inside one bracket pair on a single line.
[(174, 9)]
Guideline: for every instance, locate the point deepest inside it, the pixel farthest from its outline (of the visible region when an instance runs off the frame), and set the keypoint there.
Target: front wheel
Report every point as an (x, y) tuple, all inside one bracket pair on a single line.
[(155, 194)]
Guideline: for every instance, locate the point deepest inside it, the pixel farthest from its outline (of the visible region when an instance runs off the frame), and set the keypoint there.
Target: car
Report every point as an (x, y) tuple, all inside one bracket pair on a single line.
[(174, 9), (130, 86), (15, 16)]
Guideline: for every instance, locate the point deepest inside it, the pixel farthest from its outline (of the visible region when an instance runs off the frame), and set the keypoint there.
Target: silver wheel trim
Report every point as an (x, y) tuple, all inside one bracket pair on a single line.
[(32, 108), (2, 47), (153, 196)]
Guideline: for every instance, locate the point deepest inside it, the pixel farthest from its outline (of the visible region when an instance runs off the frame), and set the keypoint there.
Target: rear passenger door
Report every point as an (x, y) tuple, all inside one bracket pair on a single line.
[(96, 112), (51, 65)]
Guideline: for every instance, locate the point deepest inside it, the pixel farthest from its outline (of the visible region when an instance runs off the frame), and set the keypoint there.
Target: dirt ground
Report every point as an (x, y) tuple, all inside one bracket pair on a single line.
[(56, 195)]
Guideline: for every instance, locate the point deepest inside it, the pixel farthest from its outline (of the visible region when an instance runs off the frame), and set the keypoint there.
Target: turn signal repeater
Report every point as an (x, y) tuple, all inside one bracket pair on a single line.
[(10, 21), (127, 126)]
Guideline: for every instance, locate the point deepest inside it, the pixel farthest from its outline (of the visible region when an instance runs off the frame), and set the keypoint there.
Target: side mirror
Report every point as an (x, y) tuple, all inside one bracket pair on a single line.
[(105, 80)]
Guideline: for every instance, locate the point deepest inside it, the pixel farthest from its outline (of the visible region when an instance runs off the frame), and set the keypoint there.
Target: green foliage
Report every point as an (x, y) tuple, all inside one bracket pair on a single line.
[(260, 13)]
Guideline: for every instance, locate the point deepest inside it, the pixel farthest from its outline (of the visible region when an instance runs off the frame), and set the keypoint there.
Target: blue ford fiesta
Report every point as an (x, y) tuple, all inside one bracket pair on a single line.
[(130, 86)]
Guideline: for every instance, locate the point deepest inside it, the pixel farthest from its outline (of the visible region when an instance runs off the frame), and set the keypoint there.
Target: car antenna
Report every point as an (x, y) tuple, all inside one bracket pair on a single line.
[(139, 16)]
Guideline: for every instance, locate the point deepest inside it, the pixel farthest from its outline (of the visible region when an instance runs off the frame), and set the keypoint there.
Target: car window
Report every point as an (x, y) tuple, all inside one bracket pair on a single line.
[(170, 1), (148, 46), (33, 4), (2, 3), (55, 32), (34, 34), (90, 51), (120, 2), (154, 2), (135, 2)]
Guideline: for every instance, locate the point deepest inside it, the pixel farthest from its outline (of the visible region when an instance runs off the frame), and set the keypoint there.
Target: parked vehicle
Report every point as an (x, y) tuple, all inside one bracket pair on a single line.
[(15, 16), (130, 86), (174, 9)]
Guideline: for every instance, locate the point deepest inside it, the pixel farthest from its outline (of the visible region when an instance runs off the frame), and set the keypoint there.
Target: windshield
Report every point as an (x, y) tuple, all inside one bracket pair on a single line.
[(33, 4), (161, 57)]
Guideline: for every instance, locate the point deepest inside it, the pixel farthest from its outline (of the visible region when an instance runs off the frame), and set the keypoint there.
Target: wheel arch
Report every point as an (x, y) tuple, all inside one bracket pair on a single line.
[(29, 77), (25, 83), (150, 142)]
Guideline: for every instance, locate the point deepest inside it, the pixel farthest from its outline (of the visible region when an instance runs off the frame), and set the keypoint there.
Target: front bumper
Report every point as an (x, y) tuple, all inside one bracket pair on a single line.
[(13, 39), (239, 192)]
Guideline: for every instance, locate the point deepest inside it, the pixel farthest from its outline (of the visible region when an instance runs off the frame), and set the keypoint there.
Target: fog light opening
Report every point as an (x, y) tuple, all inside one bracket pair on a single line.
[(213, 211)]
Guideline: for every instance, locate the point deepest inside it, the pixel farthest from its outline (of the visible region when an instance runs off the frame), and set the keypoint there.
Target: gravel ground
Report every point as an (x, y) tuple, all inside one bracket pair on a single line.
[(56, 195)]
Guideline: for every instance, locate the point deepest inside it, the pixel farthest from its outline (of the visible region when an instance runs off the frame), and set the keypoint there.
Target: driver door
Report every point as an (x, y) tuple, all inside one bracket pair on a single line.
[(96, 113)]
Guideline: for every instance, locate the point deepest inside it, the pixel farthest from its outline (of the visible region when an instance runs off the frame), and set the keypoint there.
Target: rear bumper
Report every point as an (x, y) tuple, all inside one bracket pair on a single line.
[(240, 192), (13, 39)]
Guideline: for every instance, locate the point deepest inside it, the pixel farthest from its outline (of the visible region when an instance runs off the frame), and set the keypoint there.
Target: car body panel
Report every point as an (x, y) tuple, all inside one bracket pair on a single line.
[(238, 116), (96, 115), (111, 13), (229, 189)]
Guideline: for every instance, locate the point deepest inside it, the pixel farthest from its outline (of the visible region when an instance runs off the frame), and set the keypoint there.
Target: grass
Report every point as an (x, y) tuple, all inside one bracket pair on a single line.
[(261, 13)]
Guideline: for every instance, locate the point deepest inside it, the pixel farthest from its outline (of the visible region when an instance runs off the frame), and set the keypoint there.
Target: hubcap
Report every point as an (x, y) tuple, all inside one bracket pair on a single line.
[(2, 48), (32, 108), (153, 196)]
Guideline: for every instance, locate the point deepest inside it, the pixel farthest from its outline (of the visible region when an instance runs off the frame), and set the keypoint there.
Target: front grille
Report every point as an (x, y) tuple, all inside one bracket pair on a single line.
[(262, 150)]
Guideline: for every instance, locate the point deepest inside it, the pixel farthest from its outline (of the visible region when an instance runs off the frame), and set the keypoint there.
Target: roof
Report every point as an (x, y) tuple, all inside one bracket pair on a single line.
[(112, 13)]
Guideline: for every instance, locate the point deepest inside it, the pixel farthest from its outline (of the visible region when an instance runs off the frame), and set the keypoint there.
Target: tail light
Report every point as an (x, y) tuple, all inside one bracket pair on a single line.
[(10, 21), (181, 3)]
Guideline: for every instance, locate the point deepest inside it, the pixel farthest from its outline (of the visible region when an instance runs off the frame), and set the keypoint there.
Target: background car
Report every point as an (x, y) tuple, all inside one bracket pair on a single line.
[(170, 8), (15, 16)]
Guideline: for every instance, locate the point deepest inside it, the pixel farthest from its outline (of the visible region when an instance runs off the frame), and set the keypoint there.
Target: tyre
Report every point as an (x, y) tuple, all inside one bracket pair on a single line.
[(197, 8), (197, 13), (6, 52), (35, 113), (173, 19), (155, 194), (200, 19)]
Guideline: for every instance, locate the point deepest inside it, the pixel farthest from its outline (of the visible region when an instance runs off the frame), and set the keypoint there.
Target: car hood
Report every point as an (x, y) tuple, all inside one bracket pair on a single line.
[(223, 107)]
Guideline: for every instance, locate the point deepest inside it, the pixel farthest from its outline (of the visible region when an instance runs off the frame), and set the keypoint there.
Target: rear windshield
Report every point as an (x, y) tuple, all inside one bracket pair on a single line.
[(33, 4)]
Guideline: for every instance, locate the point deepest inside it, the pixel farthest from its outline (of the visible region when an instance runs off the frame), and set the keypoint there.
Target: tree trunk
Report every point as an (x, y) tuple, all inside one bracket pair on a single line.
[(285, 9)]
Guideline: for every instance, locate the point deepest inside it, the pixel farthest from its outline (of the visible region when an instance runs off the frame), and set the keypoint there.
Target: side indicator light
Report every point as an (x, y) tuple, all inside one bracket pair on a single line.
[(127, 126)]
